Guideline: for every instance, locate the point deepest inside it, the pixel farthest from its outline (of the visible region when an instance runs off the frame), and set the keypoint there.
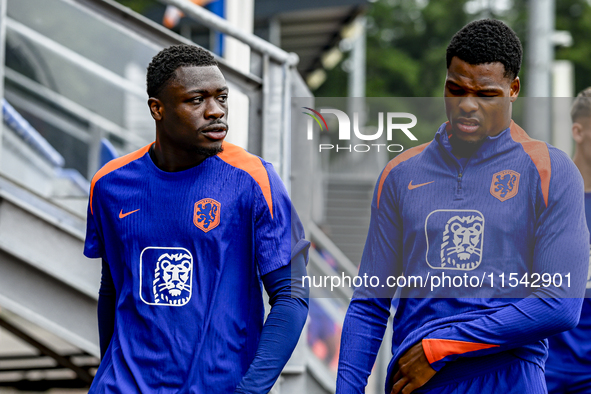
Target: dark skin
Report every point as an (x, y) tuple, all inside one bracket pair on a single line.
[(478, 100), (478, 103), (191, 114)]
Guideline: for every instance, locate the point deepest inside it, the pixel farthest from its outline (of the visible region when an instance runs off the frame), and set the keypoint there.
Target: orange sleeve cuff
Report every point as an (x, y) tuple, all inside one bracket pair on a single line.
[(438, 349)]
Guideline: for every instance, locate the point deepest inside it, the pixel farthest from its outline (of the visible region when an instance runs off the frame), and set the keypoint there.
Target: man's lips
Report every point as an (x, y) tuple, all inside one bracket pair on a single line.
[(467, 125), (215, 132)]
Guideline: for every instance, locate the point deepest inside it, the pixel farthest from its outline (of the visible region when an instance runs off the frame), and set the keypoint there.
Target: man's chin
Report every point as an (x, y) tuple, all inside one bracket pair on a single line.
[(467, 138), (208, 151), (465, 146)]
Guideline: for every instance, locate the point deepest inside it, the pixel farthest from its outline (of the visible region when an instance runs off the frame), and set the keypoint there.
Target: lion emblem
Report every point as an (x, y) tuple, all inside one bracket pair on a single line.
[(462, 242), (505, 184), (172, 276), (207, 214)]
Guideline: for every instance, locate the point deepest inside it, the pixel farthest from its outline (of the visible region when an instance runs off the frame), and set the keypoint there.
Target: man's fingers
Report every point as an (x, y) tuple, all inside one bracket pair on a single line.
[(410, 387), (399, 385)]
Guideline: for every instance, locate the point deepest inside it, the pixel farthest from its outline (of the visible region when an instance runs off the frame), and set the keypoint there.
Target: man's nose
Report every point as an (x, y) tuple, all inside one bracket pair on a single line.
[(214, 109), (468, 104)]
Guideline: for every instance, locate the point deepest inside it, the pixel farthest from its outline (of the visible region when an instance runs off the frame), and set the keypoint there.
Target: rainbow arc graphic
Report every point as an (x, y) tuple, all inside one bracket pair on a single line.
[(313, 116)]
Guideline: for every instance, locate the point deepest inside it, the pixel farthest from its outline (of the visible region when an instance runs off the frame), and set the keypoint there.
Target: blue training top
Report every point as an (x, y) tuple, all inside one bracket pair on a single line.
[(515, 207), (186, 251), (570, 351)]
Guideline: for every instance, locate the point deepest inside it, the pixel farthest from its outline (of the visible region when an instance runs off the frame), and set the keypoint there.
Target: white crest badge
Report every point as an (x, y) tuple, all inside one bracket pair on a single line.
[(166, 276), (455, 239)]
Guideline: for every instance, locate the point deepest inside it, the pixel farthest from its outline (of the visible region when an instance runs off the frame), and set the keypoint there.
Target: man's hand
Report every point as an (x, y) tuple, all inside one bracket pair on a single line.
[(413, 370)]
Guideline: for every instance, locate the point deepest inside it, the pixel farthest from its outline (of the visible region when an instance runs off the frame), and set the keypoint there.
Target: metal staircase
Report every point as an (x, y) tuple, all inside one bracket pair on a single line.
[(348, 209), (48, 289), (45, 283)]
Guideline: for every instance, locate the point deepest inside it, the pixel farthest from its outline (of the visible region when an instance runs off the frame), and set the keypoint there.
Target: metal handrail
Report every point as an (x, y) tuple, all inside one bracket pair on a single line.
[(31, 136), (74, 108), (215, 22), (324, 242), (318, 262), (146, 30), (76, 58)]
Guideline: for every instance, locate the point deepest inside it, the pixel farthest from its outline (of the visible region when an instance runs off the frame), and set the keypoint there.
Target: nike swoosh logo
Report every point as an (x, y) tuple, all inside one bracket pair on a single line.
[(411, 186), (122, 215)]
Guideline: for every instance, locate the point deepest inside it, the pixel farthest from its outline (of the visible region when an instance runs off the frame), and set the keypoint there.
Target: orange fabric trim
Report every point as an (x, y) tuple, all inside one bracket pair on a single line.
[(437, 349), (412, 152), (115, 164), (538, 153), (239, 158)]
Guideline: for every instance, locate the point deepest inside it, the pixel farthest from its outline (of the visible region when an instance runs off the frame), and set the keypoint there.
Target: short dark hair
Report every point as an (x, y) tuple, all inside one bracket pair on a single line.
[(163, 66), (487, 41), (581, 106)]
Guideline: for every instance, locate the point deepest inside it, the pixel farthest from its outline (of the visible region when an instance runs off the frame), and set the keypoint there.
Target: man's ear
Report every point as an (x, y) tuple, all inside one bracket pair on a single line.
[(514, 89), (577, 132), (156, 108)]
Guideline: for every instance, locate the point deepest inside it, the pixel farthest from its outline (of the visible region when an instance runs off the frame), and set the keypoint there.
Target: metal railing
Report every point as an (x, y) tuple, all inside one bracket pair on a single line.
[(54, 46), (344, 266)]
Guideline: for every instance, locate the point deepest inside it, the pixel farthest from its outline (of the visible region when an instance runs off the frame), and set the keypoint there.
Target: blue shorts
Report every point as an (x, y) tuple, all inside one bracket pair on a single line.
[(568, 382), (504, 374)]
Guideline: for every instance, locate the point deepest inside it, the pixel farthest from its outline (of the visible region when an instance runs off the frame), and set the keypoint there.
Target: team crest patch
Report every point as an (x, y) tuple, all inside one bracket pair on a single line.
[(504, 185), (207, 214), (454, 239), (166, 276)]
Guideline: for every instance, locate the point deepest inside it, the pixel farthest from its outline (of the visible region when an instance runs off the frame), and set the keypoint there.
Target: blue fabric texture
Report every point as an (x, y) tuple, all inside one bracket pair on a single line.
[(289, 301), (511, 376), (561, 382), (570, 351), (188, 253), (467, 219), (106, 308)]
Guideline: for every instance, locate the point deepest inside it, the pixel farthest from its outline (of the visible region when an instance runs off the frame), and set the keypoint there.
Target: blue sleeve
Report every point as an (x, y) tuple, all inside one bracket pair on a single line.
[(561, 246), (369, 309), (282, 329), (106, 308), (93, 246), (274, 218), (363, 331)]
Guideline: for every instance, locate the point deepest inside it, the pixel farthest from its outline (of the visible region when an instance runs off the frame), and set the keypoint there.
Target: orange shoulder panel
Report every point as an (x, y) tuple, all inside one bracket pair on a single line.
[(239, 158), (538, 153), (412, 152), (437, 349), (115, 164)]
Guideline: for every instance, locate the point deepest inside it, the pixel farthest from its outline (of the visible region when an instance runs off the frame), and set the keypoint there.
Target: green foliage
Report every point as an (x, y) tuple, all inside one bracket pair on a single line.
[(406, 42), (575, 16), (407, 39), (406, 45)]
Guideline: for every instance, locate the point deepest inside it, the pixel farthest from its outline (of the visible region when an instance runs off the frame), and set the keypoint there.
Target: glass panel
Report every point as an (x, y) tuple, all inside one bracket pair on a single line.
[(85, 33), (88, 60), (81, 56)]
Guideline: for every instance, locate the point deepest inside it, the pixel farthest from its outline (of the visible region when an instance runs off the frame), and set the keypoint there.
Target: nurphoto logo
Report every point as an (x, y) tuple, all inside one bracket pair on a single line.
[(393, 123)]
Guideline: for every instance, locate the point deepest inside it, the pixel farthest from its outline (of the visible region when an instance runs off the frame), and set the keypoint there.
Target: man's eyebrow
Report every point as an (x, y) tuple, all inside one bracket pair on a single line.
[(204, 91), (485, 90), (490, 90)]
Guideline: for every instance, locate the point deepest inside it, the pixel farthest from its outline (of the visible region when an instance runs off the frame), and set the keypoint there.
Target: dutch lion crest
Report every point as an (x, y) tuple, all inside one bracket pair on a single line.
[(505, 184), (206, 215), (462, 242)]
